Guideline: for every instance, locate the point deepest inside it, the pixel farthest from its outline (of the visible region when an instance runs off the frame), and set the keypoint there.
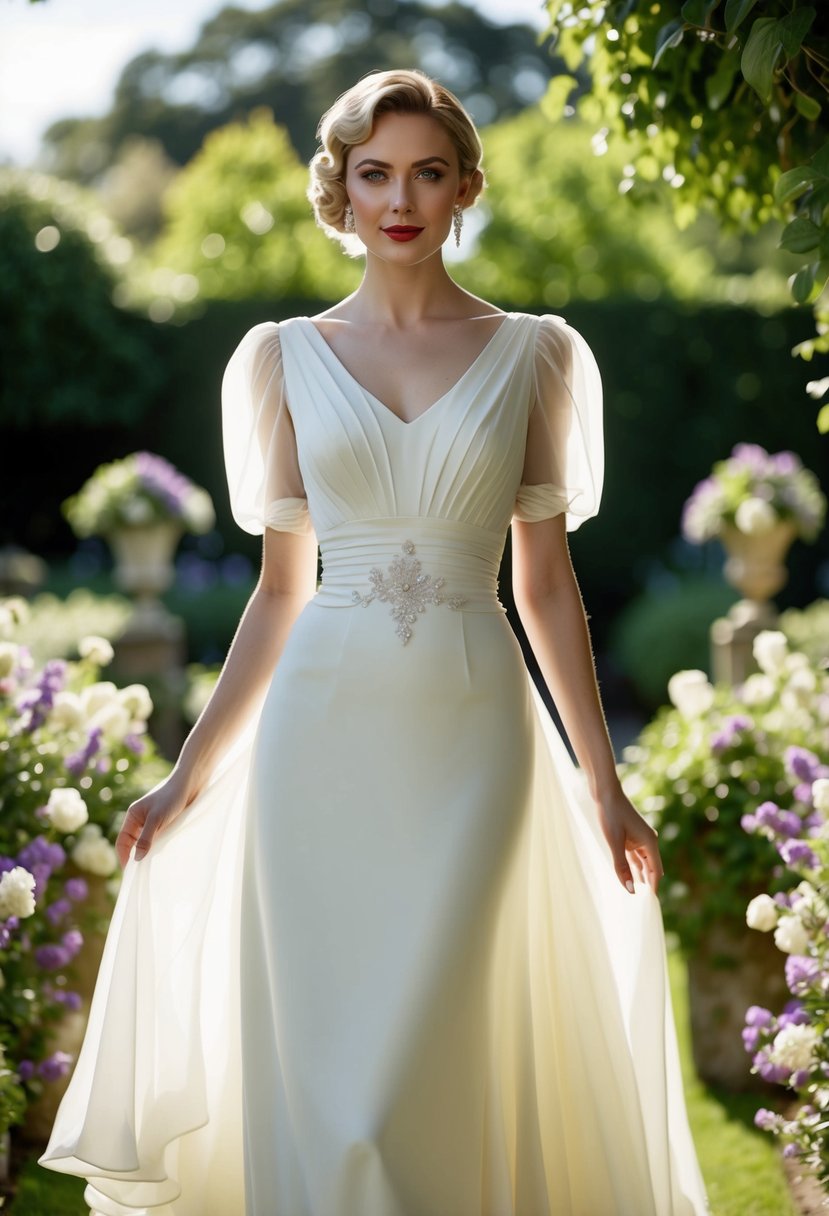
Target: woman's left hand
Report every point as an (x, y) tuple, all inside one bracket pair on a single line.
[(632, 841)]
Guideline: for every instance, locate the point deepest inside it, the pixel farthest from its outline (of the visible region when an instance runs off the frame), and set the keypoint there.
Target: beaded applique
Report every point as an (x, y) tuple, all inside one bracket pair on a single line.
[(407, 589)]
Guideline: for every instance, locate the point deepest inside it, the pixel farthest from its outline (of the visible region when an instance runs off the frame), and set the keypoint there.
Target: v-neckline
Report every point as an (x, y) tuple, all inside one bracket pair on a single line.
[(387, 409)]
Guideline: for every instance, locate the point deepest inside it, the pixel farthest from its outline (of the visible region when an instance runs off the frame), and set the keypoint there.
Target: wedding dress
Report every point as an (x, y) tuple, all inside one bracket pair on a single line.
[(382, 966)]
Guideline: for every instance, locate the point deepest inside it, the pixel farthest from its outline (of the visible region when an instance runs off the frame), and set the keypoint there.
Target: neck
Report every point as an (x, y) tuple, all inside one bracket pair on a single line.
[(400, 296)]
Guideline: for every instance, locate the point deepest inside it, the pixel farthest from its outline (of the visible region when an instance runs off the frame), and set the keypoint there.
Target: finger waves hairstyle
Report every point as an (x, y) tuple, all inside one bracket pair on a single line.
[(350, 121)]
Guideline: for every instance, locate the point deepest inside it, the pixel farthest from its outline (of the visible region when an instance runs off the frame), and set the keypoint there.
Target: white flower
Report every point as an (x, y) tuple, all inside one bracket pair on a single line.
[(94, 853), (66, 810), (136, 701), (820, 795), (17, 893), (67, 711), (113, 719), (8, 658), (757, 690), (691, 693), (96, 649), (19, 609), (799, 690), (755, 516), (198, 509), (794, 1047), (136, 511), (761, 913), (6, 622), (770, 650), (95, 696), (790, 936), (806, 900)]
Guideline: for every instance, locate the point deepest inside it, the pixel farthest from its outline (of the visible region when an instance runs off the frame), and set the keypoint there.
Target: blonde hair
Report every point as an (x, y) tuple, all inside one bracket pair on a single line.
[(350, 121)]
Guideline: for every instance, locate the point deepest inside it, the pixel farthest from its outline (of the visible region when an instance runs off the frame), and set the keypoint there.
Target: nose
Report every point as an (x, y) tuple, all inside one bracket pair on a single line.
[(401, 201)]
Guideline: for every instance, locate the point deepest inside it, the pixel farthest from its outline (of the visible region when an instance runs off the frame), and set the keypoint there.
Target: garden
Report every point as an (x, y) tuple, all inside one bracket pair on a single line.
[(676, 214)]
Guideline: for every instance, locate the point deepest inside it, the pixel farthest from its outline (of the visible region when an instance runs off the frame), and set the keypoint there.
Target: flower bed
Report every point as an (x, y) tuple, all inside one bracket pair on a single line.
[(74, 753)]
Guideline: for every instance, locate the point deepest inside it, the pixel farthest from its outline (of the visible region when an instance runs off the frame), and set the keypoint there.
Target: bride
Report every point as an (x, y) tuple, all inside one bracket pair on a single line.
[(380, 949)]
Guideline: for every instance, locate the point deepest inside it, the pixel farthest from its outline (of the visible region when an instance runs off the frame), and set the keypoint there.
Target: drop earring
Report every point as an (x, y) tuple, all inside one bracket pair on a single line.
[(348, 219), (457, 222)]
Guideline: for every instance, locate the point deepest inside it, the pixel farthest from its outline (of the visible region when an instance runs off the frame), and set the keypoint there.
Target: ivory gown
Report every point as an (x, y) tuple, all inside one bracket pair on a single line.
[(383, 966)]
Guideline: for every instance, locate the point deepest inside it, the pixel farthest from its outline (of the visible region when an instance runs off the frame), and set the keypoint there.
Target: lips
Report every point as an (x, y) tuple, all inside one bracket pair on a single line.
[(400, 232)]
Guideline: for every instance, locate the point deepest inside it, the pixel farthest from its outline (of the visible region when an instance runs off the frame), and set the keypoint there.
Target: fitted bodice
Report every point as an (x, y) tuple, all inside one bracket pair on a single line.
[(460, 460)]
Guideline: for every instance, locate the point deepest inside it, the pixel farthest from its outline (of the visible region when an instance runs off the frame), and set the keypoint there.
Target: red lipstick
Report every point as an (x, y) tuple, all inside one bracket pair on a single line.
[(400, 232)]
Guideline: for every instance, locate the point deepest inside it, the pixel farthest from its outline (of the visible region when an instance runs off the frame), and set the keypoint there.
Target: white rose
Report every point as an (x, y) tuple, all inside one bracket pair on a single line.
[(136, 701), (820, 795), (770, 650), (757, 690), (761, 913), (97, 695), (97, 649), (755, 516), (800, 689), (794, 1047), (805, 899), (67, 711), (113, 719), (8, 658), (790, 936), (66, 810), (691, 693), (17, 893), (94, 853)]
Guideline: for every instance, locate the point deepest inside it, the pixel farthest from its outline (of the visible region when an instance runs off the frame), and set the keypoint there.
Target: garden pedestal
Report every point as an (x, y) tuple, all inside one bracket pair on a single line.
[(726, 973)]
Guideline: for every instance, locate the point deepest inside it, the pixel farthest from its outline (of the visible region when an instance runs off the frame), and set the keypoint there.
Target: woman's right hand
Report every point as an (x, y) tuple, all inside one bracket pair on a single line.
[(153, 813)]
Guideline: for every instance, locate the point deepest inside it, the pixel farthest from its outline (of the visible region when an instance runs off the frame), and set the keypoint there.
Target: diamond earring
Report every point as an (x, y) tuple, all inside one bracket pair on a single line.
[(457, 222), (348, 219)]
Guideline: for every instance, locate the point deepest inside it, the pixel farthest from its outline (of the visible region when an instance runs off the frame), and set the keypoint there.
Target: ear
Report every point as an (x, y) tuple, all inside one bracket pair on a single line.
[(469, 189)]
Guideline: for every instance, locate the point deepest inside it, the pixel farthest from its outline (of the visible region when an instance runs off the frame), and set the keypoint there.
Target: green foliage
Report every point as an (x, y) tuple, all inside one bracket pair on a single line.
[(808, 629), (72, 356), (296, 57), (726, 102), (239, 226), (557, 229)]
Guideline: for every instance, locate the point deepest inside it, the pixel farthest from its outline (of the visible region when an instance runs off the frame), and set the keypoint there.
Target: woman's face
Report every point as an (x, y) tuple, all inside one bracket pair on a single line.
[(402, 184)]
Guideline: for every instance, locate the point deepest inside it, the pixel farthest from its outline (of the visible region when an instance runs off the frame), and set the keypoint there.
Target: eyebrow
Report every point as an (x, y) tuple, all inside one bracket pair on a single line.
[(416, 164)]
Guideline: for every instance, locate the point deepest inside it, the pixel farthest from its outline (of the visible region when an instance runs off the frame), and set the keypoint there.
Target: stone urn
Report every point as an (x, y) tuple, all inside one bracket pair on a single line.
[(755, 566), (144, 557)]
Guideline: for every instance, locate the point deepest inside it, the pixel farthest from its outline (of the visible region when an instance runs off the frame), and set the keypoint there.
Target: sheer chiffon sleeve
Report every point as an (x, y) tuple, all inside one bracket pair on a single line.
[(263, 475), (564, 460)]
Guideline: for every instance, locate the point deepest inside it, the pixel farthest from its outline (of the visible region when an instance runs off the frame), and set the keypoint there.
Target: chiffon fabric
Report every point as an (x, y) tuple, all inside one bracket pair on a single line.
[(382, 966)]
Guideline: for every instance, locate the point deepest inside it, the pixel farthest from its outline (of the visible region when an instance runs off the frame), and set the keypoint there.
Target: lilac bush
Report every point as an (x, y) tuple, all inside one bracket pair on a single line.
[(140, 489), (791, 1048), (752, 491), (74, 752)]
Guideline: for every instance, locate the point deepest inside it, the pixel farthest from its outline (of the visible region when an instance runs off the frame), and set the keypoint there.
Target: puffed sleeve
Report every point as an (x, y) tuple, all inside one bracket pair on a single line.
[(564, 460), (263, 476)]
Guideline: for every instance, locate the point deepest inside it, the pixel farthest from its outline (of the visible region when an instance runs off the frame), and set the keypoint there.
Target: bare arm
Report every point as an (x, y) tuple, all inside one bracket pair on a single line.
[(551, 610), (286, 583)]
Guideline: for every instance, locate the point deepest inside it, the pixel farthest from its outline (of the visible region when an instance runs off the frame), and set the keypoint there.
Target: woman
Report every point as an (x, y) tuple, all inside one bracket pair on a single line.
[(375, 961)]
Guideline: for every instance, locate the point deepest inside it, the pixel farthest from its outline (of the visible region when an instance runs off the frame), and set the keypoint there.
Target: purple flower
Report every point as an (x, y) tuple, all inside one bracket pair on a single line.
[(58, 911), (40, 851), (749, 823), (803, 792), (72, 1000), (788, 824), (800, 1078), (786, 463), (801, 971), (76, 889), (789, 1150), (729, 734), (72, 941), (770, 1072), (77, 761), (756, 1015), (798, 853), (37, 701), (766, 814), (766, 1120), (751, 1039), (26, 1070), (52, 957), (135, 743), (793, 1015), (55, 1066), (801, 763)]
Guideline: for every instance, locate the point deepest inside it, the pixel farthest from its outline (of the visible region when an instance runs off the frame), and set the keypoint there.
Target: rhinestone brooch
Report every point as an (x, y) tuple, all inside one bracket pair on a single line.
[(407, 590)]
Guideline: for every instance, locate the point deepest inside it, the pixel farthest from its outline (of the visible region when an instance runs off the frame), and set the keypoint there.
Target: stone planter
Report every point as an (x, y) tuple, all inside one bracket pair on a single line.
[(144, 557), (730, 970)]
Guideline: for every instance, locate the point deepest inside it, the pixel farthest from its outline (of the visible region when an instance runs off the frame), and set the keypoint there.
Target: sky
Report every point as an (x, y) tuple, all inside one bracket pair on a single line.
[(62, 58)]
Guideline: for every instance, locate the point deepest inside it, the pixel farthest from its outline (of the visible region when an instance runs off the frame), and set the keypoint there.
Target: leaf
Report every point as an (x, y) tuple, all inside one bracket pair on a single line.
[(803, 282), (809, 107), (736, 12), (794, 182), (718, 85), (794, 27), (697, 12), (555, 99), (823, 419), (820, 160), (760, 54), (670, 35), (800, 236)]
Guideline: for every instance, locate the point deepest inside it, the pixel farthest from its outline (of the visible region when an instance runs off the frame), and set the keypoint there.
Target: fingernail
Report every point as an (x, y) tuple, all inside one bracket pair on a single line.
[(629, 886)]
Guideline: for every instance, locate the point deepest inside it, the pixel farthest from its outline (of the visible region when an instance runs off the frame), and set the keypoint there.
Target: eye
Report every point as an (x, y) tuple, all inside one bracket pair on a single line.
[(435, 174), (372, 175)]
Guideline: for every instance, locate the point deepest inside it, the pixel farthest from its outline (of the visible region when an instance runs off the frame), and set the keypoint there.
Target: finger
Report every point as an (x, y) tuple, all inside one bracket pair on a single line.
[(636, 864)]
